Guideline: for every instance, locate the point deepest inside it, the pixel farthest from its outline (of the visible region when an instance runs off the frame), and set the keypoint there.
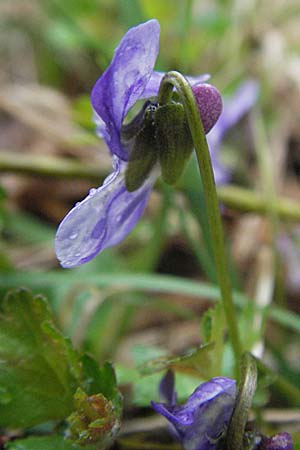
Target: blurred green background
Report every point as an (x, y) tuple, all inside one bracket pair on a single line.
[(145, 297)]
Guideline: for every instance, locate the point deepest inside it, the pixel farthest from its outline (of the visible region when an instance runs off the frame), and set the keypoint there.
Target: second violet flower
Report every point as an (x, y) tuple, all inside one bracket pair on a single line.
[(201, 423), (110, 212)]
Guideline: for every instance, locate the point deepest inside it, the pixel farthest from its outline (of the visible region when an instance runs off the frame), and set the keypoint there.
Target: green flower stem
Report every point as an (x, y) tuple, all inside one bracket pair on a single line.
[(243, 403), (175, 79)]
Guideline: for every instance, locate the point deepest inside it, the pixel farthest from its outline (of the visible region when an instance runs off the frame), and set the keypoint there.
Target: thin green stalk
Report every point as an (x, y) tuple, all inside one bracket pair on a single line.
[(243, 403), (175, 79)]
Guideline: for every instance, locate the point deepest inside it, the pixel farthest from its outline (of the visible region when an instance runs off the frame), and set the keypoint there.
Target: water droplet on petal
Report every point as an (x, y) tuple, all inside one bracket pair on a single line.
[(77, 254), (73, 236), (92, 191)]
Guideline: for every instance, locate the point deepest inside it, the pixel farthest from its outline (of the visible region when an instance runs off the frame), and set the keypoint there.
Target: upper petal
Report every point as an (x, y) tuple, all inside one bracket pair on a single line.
[(102, 219), (124, 81), (167, 388)]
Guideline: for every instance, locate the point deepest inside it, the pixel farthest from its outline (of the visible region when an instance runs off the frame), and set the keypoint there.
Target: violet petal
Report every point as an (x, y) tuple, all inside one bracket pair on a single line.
[(124, 81), (102, 219), (167, 391), (205, 415)]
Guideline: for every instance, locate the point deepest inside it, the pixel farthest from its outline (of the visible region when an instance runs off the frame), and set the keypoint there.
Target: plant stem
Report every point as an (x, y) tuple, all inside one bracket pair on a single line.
[(175, 79), (243, 403)]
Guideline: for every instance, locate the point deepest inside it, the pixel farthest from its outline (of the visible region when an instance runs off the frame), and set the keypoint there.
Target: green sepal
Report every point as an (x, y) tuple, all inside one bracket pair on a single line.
[(173, 139), (144, 154)]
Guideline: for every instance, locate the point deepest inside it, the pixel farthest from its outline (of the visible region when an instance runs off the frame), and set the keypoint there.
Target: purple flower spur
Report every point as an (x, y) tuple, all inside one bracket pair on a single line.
[(110, 212), (203, 420)]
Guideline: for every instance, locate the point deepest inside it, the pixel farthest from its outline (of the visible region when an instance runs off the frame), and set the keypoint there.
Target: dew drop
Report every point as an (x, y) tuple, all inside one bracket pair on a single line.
[(92, 191), (73, 236), (77, 254)]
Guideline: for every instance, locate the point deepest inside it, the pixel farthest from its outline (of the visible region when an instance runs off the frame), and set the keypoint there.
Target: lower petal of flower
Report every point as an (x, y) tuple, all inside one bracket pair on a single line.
[(102, 219)]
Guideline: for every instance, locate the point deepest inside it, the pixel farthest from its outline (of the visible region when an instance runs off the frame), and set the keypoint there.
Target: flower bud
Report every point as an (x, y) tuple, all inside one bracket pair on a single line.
[(209, 103)]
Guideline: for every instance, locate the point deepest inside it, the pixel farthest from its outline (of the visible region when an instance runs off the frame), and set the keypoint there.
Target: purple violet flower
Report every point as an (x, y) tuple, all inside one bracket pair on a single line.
[(234, 109), (204, 418), (110, 212)]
